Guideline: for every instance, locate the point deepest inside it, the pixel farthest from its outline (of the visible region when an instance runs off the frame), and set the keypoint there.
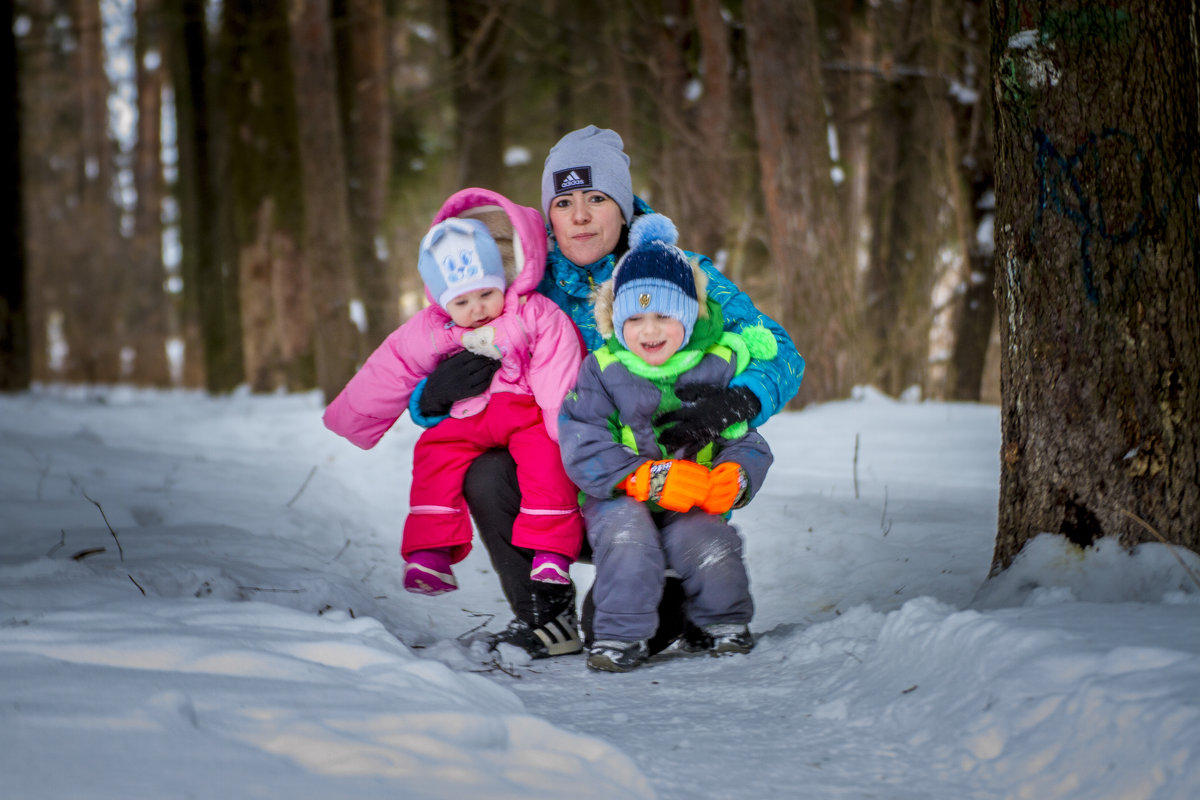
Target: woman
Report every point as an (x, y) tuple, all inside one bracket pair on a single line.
[(588, 200)]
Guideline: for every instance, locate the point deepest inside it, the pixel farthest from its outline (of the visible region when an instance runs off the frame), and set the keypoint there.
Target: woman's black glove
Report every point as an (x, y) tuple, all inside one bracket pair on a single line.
[(464, 374), (706, 411)]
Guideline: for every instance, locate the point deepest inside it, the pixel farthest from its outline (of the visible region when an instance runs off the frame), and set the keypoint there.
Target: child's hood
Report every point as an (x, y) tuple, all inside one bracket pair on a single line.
[(518, 230)]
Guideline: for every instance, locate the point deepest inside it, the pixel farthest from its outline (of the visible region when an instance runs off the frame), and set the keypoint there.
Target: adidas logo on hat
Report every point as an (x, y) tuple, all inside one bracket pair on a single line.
[(568, 180)]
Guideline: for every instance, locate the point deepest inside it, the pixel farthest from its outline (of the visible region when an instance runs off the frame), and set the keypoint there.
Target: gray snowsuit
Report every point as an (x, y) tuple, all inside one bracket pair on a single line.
[(606, 432)]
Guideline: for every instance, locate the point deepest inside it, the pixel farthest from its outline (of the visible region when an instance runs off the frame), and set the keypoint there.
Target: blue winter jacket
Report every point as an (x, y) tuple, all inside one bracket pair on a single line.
[(773, 382)]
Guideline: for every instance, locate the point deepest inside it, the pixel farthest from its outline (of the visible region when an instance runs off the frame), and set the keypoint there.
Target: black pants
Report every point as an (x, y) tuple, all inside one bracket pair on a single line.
[(494, 499)]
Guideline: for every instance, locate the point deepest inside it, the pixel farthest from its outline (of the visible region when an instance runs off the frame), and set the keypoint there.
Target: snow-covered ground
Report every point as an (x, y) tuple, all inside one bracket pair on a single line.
[(201, 598)]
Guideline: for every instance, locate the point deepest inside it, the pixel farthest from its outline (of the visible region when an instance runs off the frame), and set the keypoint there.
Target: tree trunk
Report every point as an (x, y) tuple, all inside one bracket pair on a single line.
[(814, 275), (903, 198), (211, 309), (478, 46), (92, 304), (265, 189), (15, 362), (849, 83), (326, 257), (366, 114), (1098, 246), (975, 316), (694, 164), (145, 307)]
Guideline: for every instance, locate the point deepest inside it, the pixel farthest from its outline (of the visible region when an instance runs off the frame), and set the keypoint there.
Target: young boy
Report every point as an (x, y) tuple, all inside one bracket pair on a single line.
[(477, 305), (648, 510)]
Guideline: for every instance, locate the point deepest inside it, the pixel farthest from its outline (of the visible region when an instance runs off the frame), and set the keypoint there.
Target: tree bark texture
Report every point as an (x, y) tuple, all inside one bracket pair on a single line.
[(478, 45), (814, 273), (145, 311), (975, 316), (362, 47), (90, 296), (264, 174), (211, 307), (327, 250), (905, 156), (691, 64), (1099, 261)]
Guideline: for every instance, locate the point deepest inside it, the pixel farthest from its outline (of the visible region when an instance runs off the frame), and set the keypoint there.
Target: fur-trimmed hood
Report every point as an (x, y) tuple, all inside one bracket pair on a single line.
[(604, 300)]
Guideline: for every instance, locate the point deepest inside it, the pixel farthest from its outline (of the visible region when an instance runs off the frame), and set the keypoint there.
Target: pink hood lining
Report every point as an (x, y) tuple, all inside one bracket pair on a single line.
[(528, 232)]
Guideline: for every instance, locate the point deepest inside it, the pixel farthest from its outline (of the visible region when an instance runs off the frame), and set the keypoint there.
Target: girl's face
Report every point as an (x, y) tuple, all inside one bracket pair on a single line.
[(477, 308), (653, 337), (587, 225)]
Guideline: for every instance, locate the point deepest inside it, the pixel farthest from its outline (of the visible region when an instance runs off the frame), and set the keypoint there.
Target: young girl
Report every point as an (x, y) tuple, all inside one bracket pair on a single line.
[(651, 507), (482, 301)]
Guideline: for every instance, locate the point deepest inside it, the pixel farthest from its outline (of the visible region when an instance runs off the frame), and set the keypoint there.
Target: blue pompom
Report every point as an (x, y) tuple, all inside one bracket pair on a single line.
[(652, 228)]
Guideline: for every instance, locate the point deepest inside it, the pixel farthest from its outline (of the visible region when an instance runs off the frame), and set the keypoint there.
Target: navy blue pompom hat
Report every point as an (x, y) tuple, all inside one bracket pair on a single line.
[(654, 277)]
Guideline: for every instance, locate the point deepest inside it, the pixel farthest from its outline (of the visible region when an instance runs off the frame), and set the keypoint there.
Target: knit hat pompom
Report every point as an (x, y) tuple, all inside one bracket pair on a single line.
[(652, 228), (654, 277)]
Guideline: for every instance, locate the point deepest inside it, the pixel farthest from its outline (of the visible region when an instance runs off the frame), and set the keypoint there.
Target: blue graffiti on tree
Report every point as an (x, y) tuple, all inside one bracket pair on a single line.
[(1071, 186)]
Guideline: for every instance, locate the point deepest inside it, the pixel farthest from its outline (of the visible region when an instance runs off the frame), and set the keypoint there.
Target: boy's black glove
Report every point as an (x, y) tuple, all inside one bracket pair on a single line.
[(464, 374), (706, 411)]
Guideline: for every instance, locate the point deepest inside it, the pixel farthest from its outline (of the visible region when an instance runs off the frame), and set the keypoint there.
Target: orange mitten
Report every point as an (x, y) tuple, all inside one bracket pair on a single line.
[(674, 484), (726, 485)]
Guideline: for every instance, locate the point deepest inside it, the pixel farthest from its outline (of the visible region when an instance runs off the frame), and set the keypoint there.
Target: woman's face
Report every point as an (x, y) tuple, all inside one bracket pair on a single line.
[(587, 225)]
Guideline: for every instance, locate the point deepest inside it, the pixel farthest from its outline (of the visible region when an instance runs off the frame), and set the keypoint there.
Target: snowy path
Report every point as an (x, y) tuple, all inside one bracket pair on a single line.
[(241, 631)]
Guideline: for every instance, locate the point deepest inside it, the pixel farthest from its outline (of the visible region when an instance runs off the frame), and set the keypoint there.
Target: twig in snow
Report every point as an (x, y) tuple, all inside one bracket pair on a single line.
[(495, 665), (856, 466), (62, 542), (340, 552), (303, 486), (478, 627), (883, 514), (103, 516), (1159, 536), (91, 551), (135, 583), (277, 591), (45, 469)]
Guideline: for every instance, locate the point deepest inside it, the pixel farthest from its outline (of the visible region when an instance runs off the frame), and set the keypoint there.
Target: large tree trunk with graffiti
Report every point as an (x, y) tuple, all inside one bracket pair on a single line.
[(1099, 261)]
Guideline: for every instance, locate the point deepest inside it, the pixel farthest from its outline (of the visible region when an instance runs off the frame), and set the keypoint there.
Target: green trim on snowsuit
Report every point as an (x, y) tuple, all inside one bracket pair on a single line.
[(708, 338)]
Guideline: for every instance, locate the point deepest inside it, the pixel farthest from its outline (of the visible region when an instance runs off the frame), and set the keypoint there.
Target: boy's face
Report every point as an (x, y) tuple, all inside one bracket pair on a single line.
[(653, 337), (476, 309)]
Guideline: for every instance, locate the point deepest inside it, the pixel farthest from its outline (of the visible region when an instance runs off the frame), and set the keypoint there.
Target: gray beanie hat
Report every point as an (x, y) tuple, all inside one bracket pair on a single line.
[(589, 159)]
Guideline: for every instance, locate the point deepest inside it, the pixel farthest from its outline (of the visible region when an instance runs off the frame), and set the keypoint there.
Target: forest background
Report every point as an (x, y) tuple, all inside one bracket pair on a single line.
[(949, 199), (218, 194)]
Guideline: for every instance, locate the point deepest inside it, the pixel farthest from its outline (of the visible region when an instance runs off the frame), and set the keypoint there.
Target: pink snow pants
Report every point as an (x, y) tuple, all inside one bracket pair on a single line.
[(549, 518)]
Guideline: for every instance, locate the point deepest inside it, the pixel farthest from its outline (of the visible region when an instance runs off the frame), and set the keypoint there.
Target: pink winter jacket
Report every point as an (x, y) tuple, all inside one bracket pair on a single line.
[(539, 348)]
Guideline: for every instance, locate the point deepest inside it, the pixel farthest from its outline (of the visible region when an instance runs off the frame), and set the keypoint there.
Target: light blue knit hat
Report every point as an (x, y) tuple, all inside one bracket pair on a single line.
[(459, 256), (589, 159), (654, 277)]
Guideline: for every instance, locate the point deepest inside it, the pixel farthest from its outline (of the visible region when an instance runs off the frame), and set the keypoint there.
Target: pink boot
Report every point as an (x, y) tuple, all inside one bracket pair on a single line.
[(550, 568), (428, 572)]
